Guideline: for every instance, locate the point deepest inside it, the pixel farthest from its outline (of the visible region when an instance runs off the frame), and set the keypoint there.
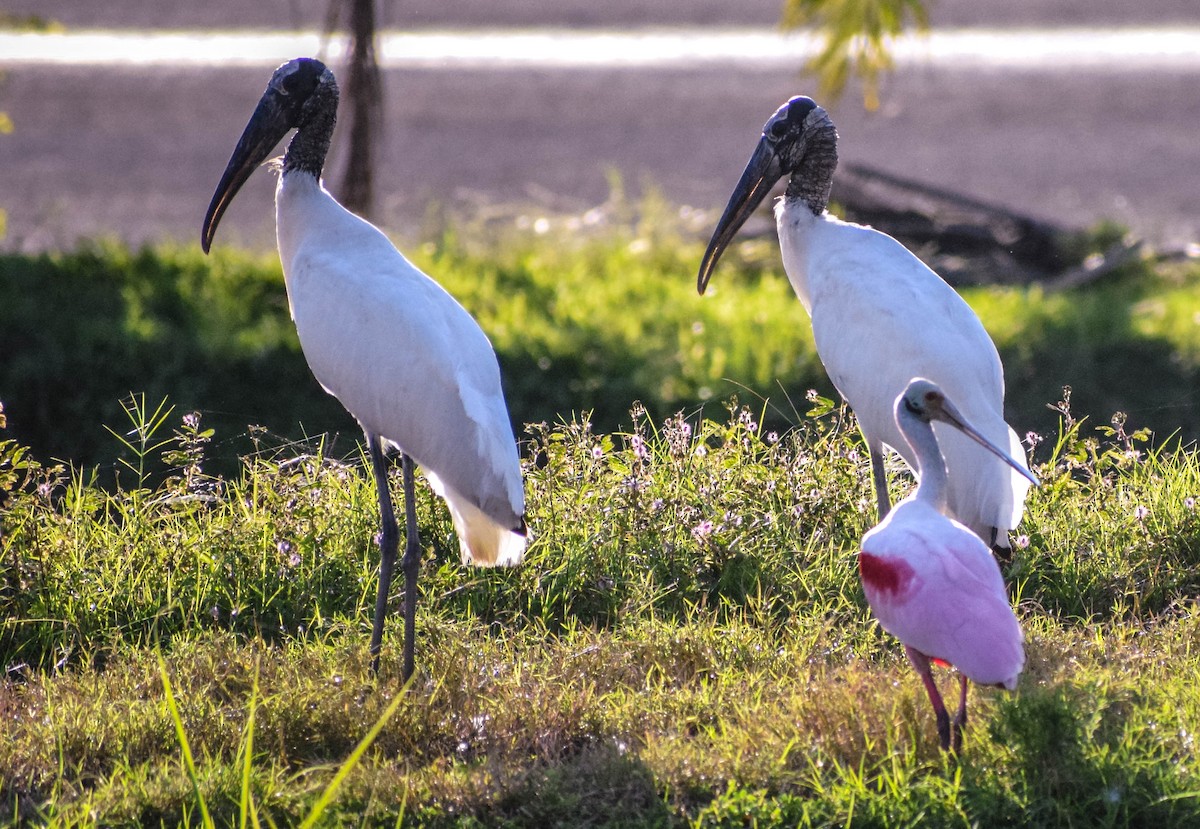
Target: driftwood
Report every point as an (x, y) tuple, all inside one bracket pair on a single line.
[(1098, 265), (969, 241)]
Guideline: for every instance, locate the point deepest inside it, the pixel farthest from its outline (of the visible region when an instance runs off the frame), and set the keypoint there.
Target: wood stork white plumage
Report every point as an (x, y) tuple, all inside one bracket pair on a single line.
[(931, 582), (880, 317), (395, 348)]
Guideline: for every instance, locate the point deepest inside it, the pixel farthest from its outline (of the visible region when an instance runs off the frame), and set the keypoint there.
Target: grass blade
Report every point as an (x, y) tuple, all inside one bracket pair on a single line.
[(183, 744), (330, 793)]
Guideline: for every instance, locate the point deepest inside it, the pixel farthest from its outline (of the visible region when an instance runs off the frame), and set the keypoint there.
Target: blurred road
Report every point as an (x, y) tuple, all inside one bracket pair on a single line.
[(303, 14), (134, 153)]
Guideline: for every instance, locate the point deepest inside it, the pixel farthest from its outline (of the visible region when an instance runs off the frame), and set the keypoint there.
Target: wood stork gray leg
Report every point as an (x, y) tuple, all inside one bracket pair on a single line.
[(879, 477), (389, 539), (960, 719), (411, 563), (921, 662)]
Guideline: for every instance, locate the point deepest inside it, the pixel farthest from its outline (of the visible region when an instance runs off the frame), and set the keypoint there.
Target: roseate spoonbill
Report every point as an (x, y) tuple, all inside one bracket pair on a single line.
[(930, 581), (880, 317), (387, 341)]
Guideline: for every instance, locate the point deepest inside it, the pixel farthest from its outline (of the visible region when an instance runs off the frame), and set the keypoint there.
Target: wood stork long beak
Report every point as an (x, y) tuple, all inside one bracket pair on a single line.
[(940, 408), (270, 122), (763, 170)]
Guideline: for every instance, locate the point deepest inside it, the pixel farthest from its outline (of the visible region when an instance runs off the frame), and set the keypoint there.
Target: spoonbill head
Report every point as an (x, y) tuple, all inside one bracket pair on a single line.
[(930, 581)]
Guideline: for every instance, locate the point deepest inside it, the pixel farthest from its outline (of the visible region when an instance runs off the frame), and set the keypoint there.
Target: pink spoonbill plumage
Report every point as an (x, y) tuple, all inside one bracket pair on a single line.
[(930, 581), (401, 354), (880, 317)]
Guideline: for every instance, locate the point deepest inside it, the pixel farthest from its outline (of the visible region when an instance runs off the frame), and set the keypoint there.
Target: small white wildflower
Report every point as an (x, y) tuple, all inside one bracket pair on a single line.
[(638, 445)]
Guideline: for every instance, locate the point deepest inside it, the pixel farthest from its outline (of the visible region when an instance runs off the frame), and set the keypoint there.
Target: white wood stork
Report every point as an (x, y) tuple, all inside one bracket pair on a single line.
[(880, 317), (931, 582), (387, 341)]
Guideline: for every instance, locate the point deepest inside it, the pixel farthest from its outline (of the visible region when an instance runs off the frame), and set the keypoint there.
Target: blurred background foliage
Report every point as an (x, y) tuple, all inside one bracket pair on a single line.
[(855, 38), (581, 321)]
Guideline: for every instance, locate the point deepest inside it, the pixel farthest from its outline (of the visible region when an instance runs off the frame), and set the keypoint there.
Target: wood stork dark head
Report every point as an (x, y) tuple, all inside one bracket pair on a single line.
[(301, 94), (798, 134)]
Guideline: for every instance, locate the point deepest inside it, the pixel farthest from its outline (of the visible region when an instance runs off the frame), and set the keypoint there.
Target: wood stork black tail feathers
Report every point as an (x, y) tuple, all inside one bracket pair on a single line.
[(880, 317), (392, 345)]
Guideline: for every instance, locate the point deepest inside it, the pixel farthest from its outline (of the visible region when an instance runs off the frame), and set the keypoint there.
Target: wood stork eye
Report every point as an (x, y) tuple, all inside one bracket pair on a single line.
[(298, 78), (284, 81)]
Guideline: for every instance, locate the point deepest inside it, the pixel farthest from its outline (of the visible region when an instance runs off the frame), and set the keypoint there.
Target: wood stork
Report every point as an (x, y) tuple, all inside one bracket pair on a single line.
[(387, 341), (880, 317), (931, 582)]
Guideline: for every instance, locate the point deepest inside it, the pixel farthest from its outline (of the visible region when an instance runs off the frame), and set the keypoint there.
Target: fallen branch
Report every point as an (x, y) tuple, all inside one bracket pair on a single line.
[(1097, 266)]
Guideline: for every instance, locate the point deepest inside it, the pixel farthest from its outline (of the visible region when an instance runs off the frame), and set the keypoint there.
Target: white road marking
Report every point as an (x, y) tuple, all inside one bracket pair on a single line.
[(1118, 50)]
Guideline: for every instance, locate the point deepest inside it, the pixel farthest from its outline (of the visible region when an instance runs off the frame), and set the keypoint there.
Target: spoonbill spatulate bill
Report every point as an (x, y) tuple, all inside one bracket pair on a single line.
[(880, 317), (401, 354), (930, 581)]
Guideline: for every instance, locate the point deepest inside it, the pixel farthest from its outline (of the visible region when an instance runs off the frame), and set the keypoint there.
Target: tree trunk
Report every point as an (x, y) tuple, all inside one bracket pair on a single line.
[(364, 109)]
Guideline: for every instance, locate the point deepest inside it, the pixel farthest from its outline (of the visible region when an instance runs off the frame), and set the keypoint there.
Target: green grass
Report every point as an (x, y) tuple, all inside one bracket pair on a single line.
[(184, 609), (687, 644), (584, 319)]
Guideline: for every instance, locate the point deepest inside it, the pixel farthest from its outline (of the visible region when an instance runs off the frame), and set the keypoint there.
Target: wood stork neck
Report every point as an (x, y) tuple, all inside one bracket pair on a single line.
[(307, 150), (931, 466), (812, 179)]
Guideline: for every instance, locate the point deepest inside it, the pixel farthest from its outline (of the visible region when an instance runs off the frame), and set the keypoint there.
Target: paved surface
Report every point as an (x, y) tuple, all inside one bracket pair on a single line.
[(295, 14), (135, 153)]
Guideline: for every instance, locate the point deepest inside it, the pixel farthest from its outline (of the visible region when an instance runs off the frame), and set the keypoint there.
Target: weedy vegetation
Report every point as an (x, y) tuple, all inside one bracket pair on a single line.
[(183, 631)]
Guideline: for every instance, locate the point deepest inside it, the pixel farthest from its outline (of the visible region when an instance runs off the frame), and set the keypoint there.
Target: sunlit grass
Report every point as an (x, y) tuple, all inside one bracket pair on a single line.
[(686, 645)]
